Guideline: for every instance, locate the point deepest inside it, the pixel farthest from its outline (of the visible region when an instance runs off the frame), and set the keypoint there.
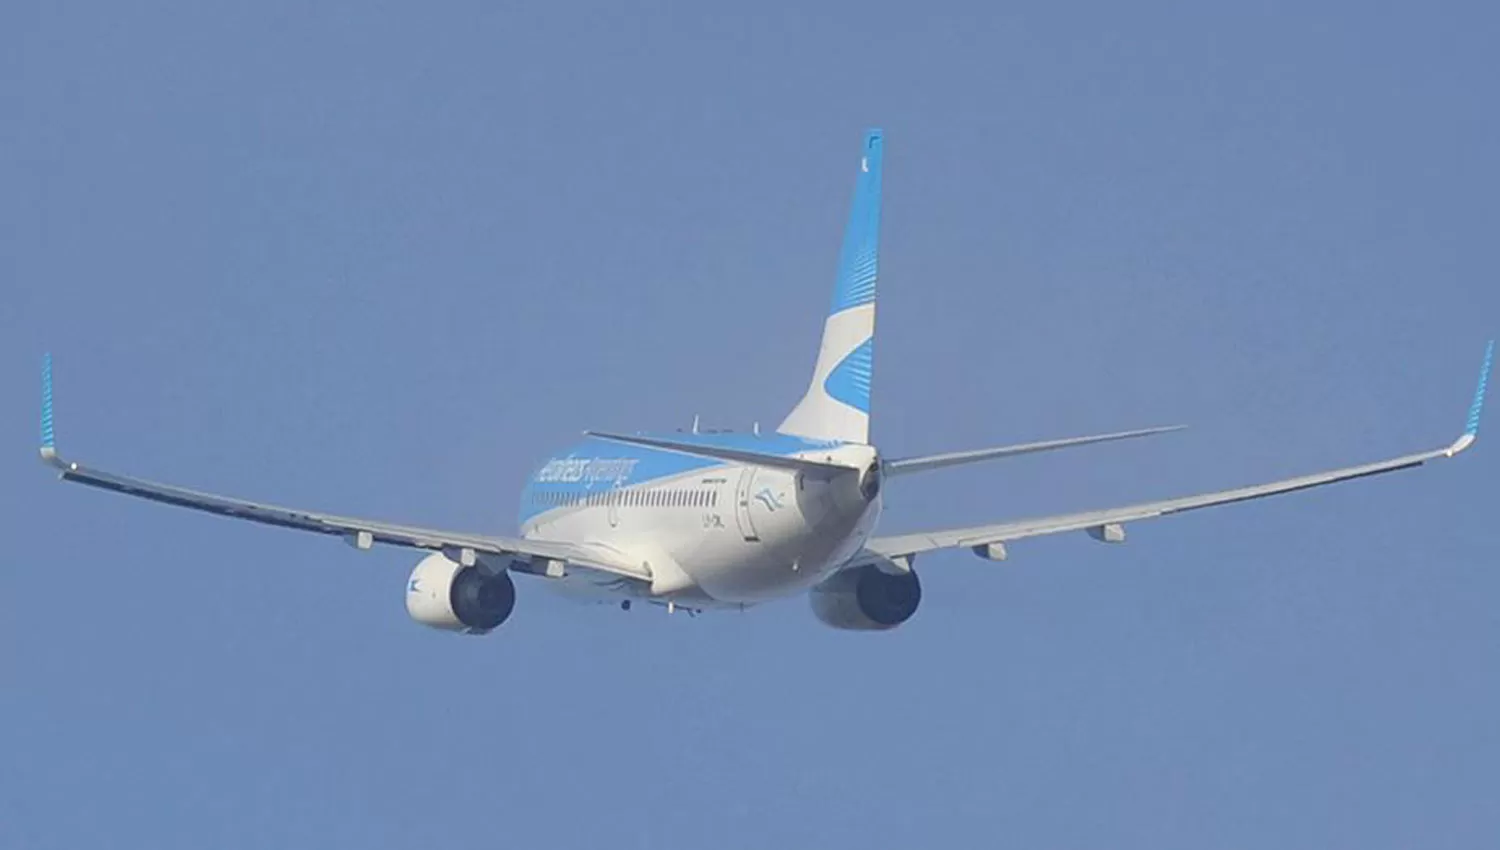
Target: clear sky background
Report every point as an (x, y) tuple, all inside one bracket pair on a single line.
[(380, 258)]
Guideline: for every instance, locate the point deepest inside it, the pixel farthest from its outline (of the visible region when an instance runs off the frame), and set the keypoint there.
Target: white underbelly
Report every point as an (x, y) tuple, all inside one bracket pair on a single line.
[(787, 554)]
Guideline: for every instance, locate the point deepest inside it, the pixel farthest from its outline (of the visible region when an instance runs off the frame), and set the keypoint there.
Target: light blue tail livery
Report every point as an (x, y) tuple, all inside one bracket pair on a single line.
[(849, 382), (837, 403), (859, 259)]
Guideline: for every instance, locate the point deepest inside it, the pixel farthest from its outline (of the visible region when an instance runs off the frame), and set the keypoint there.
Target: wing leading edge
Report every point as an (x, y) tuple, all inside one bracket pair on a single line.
[(535, 555), (1107, 524)]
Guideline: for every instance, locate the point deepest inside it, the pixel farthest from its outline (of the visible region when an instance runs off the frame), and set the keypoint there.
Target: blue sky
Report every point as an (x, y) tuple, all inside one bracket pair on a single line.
[(379, 258)]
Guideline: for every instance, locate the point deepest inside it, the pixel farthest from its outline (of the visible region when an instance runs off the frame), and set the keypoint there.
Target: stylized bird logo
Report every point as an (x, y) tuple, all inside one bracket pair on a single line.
[(772, 501)]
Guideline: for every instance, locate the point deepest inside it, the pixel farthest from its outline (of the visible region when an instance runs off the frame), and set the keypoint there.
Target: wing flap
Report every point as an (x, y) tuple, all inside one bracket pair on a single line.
[(906, 545), (391, 534), (911, 544)]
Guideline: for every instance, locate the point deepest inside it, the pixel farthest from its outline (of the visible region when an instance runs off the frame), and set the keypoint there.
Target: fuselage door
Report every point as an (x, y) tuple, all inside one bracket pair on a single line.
[(742, 492)]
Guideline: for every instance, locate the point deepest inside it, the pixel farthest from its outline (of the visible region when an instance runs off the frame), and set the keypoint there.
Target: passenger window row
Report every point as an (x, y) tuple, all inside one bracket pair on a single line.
[(656, 498)]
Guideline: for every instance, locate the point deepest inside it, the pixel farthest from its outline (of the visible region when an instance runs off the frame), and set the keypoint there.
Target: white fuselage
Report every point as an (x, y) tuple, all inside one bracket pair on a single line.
[(716, 535)]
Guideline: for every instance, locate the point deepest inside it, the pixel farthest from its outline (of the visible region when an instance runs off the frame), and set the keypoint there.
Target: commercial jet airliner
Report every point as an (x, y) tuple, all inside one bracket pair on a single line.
[(697, 521)]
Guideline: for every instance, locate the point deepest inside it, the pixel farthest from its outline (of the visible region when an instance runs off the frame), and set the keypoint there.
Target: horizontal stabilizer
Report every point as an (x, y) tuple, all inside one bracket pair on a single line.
[(922, 464), (775, 461)]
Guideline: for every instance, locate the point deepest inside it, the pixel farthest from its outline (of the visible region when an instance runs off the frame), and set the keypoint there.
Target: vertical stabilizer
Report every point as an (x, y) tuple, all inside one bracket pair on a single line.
[(837, 403)]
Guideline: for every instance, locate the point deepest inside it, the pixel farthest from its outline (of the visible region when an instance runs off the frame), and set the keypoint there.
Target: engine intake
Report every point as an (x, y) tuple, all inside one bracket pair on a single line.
[(444, 594), (866, 599)]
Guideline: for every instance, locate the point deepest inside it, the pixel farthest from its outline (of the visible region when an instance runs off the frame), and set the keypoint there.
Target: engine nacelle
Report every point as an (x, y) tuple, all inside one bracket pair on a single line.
[(446, 595), (866, 599)]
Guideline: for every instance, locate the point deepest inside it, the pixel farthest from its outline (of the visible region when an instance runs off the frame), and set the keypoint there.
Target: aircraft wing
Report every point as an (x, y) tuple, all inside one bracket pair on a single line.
[(1107, 524), (361, 533)]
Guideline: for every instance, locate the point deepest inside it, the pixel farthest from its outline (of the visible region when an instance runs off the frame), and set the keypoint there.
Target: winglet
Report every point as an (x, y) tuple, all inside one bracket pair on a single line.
[(1484, 379), (1471, 428), (49, 439)]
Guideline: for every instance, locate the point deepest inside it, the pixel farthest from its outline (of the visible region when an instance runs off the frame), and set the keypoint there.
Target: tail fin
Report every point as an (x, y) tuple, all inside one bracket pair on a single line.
[(837, 404)]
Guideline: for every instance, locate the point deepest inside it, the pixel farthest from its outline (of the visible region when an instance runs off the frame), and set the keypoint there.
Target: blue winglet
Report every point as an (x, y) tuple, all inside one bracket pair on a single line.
[(49, 440), (1472, 429)]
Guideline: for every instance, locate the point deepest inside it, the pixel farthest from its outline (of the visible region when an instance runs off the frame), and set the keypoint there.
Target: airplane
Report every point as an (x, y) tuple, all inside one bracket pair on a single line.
[(703, 520)]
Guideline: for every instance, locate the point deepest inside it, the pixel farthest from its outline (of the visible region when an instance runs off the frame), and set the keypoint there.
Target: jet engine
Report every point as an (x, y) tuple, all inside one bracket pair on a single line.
[(866, 599), (445, 595)]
